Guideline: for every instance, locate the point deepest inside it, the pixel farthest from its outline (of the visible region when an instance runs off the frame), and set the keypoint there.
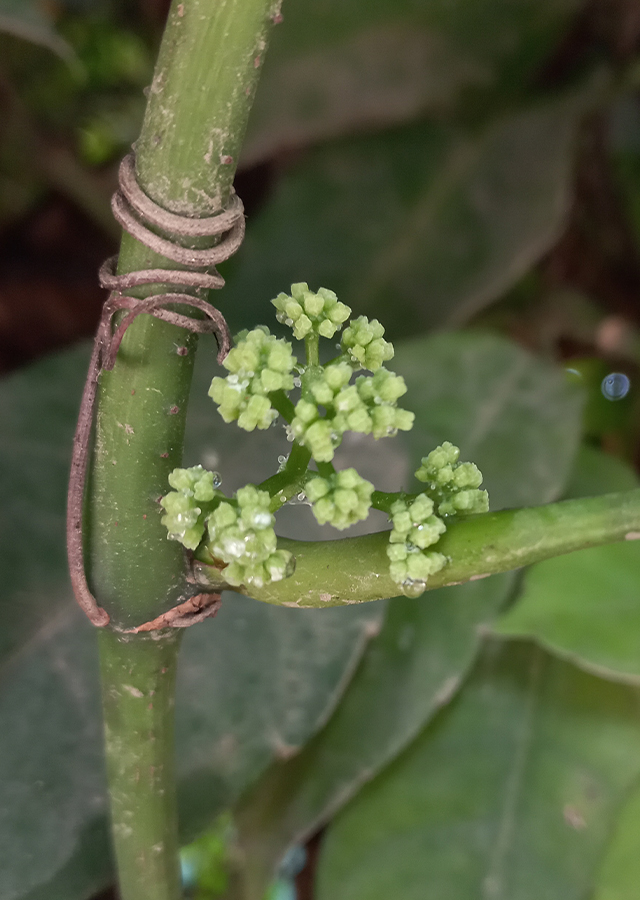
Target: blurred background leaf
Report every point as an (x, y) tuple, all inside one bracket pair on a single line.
[(585, 606), (29, 20), (510, 792)]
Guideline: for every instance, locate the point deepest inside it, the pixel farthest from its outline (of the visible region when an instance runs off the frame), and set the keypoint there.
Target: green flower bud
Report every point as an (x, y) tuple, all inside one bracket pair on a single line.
[(340, 500), (259, 364), (242, 536), (415, 527), (187, 507), (453, 485), (305, 311), (364, 344)]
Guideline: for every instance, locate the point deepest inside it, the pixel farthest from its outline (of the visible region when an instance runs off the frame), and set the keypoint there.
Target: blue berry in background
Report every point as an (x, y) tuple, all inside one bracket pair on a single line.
[(615, 386)]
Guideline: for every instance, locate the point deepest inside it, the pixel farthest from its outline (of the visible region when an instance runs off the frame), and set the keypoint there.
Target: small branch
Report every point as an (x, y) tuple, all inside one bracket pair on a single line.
[(354, 570)]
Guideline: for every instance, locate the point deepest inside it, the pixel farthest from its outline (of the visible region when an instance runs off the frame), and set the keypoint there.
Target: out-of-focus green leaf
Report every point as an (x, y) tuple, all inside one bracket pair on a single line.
[(346, 65), (28, 19), (428, 222), (254, 684), (514, 415), (624, 127), (409, 671), (619, 875), (510, 793), (586, 606), (597, 473)]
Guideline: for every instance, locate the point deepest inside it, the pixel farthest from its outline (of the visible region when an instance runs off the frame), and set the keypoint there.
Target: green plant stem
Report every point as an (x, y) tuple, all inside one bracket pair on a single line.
[(186, 157), (354, 570), (283, 485), (312, 349), (383, 500), (138, 679), (284, 406)]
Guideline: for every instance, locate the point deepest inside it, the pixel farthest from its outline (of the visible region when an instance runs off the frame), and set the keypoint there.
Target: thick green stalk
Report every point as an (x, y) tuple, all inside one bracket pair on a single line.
[(354, 570), (186, 157), (138, 679)]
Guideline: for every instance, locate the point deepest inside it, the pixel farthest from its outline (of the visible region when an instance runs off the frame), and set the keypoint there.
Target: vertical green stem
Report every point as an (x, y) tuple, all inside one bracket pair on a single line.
[(138, 679), (186, 157)]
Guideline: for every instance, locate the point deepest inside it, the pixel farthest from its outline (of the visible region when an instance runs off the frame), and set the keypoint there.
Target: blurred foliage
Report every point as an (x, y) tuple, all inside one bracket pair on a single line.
[(437, 164)]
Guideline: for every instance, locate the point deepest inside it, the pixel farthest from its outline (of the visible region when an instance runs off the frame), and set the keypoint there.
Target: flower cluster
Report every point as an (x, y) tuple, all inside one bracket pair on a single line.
[(239, 533), (415, 527), (341, 500), (452, 485), (259, 364), (306, 312), (364, 344), (242, 536), (367, 407), (187, 506)]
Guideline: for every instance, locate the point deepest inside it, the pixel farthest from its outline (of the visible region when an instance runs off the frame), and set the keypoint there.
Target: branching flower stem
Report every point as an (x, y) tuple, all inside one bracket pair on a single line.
[(355, 570)]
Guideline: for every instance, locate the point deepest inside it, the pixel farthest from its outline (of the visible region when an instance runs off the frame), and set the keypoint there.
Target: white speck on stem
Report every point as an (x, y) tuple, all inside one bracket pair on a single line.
[(134, 691)]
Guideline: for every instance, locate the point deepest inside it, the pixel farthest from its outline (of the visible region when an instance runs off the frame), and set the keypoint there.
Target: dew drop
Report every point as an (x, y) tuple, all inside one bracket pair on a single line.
[(217, 479), (615, 386), (413, 588), (302, 496), (297, 382)]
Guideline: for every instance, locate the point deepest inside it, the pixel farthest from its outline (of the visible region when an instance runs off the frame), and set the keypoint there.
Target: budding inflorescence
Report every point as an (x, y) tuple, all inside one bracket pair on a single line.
[(237, 534), (368, 407), (451, 484), (188, 505), (415, 527), (242, 536), (259, 365), (306, 312), (340, 500), (364, 345)]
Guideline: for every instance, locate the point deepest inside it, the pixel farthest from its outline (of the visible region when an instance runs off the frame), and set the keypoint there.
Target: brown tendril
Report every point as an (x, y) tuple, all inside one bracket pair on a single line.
[(135, 211)]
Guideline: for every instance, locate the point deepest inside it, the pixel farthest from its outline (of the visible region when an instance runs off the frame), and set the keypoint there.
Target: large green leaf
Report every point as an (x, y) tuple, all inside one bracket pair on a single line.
[(427, 223), (619, 875), (344, 65), (253, 684), (510, 413), (510, 793), (586, 606), (409, 671)]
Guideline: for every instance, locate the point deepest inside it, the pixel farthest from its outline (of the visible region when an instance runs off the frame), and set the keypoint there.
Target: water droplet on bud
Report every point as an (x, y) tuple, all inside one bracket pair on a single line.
[(413, 588)]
